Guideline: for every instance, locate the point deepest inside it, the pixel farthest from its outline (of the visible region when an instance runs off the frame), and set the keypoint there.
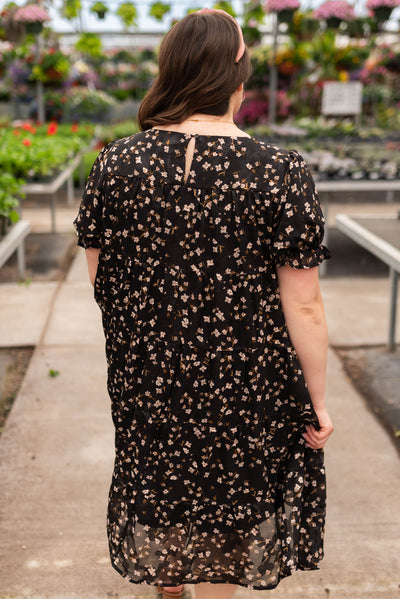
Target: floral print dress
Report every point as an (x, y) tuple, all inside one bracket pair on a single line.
[(213, 481)]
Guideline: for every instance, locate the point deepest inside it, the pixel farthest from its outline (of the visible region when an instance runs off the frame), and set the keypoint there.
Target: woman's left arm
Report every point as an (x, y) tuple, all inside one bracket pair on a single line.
[(92, 257)]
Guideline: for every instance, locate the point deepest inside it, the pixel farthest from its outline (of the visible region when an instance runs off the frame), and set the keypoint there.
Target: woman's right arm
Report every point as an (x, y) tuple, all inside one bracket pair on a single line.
[(305, 318)]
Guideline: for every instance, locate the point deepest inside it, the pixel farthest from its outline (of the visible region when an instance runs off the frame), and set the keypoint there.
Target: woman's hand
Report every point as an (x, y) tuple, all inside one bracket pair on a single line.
[(317, 439)]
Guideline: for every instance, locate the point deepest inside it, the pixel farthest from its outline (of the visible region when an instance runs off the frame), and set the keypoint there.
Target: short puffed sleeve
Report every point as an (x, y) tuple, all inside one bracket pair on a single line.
[(299, 228), (88, 223)]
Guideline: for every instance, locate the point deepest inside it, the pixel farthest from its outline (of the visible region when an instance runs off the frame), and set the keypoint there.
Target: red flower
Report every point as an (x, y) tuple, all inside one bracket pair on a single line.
[(52, 129), (26, 126), (17, 132), (74, 127), (27, 142)]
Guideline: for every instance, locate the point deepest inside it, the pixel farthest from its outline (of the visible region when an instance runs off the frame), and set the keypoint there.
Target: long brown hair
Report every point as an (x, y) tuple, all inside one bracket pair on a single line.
[(197, 70)]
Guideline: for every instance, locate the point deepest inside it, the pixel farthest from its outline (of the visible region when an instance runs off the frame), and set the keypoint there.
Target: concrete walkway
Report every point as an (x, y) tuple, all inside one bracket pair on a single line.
[(56, 456)]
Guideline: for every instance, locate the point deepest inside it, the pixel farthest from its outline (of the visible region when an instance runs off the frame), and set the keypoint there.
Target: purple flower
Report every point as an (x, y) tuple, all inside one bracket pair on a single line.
[(340, 9)]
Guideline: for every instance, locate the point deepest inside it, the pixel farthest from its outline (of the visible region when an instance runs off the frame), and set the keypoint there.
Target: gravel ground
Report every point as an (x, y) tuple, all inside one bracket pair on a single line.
[(375, 373)]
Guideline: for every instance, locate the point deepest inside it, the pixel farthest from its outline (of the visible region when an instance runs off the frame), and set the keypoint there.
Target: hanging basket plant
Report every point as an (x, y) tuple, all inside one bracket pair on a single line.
[(334, 12), (382, 9), (128, 14), (99, 9), (71, 9), (159, 9), (89, 44), (285, 9), (33, 17), (333, 22)]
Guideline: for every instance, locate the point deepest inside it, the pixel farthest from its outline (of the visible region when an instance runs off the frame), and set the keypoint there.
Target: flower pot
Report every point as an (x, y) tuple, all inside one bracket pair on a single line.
[(286, 15), (101, 14), (34, 27), (382, 13), (333, 22)]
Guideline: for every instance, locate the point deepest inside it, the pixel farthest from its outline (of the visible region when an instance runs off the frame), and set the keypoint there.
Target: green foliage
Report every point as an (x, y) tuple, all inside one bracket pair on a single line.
[(303, 26), (253, 12), (89, 44), (100, 9), (118, 131), (71, 9), (10, 192), (87, 163), (33, 154), (53, 66), (159, 9), (128, 14), (226, 6)]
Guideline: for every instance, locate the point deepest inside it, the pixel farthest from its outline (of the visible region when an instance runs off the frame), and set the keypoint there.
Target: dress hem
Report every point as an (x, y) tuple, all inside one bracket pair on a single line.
[(225, 581)]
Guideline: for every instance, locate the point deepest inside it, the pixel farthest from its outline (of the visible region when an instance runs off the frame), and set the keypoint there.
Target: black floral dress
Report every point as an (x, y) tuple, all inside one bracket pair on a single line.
[(212, 479)]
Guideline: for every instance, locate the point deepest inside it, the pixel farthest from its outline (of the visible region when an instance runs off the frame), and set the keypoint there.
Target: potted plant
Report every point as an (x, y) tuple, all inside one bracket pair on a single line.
[(100, 9), (159, 9), (90, 105), (382, 9), (303, 26), (71, 9), (33, 17), (90, 44), (10, 192), (53, 67), (284, 9), (334, 12), (128, 13)]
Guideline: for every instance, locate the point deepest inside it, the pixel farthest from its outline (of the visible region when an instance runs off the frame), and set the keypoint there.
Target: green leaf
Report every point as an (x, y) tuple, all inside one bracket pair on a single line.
[(53, 373), (226, 6), (13, 216), (159, 9), (128, 13)]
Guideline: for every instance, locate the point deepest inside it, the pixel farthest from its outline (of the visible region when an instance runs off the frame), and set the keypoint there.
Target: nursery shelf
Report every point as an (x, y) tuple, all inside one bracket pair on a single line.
[(51, 188), (13, 241)]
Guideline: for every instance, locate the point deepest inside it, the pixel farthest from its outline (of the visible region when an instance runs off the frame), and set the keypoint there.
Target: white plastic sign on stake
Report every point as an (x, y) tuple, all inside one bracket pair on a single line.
[(342, 98)]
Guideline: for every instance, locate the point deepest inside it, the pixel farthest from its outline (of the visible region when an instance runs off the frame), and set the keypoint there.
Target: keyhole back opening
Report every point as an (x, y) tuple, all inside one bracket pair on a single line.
[(189, 157)]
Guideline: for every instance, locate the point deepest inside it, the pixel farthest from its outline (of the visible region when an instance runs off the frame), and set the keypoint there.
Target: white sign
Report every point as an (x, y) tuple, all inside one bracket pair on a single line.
[(342, 98)]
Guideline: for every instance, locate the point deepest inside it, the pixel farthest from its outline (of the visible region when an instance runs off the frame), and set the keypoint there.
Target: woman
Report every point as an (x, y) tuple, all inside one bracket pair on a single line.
[(203, 245)]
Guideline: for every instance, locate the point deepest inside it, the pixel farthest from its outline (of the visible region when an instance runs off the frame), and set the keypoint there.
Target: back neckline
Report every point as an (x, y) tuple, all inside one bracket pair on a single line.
[(155, 129)]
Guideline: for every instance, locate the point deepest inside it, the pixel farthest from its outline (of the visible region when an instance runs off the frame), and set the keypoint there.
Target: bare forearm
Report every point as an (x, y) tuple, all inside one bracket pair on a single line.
[(308, 333), (92, 257)]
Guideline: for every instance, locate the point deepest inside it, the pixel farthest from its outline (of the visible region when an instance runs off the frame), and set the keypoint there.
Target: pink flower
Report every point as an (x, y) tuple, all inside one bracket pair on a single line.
[(32, 13), (371, 4), (278, 5), (340, 9)]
